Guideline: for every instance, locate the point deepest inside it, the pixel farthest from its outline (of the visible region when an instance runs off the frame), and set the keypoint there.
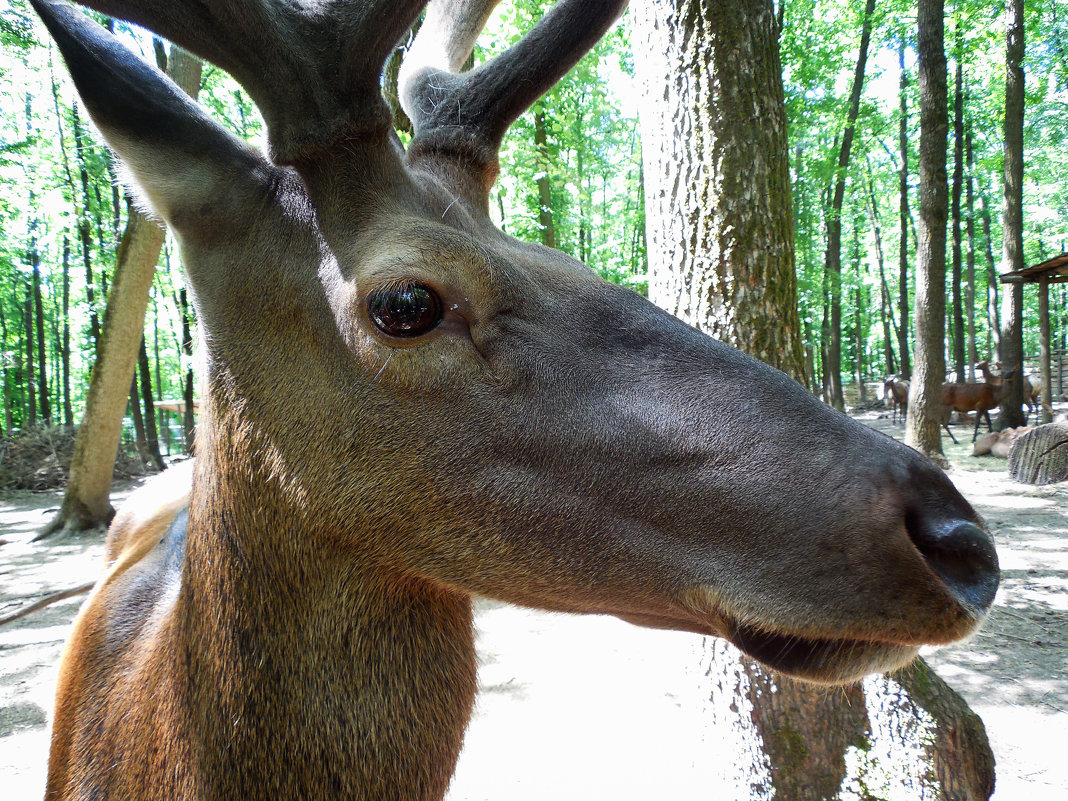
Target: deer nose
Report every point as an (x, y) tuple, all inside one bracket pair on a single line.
[(961, 554)]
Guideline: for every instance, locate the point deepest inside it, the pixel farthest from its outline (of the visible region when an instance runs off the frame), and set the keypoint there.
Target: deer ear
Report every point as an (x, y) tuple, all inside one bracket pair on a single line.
[(183, 162)]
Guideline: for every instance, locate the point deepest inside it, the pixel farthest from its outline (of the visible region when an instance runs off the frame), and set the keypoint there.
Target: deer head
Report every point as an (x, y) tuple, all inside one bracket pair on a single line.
[(396, 383)]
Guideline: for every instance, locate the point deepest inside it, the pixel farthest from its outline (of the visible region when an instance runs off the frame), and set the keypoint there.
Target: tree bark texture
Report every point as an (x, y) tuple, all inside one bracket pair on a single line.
[(1040, 455), (1012, 258), (924, 420), (86, 504), (719, 222)]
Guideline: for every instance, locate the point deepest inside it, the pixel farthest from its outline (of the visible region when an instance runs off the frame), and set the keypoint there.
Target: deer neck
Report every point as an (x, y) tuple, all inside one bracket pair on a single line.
[(311, 674)]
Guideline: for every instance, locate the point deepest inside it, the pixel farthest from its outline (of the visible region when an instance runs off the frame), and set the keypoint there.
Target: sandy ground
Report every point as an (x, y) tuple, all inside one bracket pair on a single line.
[(592, 708)]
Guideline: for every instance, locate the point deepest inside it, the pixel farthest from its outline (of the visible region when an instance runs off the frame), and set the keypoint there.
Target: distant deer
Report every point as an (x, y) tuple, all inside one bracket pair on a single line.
[(404, 408), (1032, 387), (979, 398), (896, 390)]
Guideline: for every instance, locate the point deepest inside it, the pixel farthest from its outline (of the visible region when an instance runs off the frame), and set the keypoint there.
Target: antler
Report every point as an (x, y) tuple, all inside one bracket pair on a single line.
[(463, 117), (312, 67)]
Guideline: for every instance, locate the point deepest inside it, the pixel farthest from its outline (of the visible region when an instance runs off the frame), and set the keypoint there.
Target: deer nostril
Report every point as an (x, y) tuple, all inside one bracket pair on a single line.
[(962, 555)]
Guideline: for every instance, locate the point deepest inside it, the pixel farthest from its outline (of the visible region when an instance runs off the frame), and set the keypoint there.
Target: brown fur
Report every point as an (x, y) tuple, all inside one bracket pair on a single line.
[(979, 398), (896, 390), (1032, 386), (302, 627)]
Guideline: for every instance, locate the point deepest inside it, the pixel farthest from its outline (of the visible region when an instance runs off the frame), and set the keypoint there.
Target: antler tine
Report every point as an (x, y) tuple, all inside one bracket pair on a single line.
[(465, 116), (312, 67)]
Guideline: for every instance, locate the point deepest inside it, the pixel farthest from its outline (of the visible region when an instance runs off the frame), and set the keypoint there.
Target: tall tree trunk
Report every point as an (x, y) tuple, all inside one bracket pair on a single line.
[(858, 319), (84, 230), (188, 424), (140, 440), (993, 305), (8, 419), (543, 181), (86, 504), (1012, 258), (804, 732), (151, 431), (833, 259), (886, 308), (958, 189), (44, 401), (969, 298), (924, 420), (720, 238), (68, 408), (903, 211), (28, 340)]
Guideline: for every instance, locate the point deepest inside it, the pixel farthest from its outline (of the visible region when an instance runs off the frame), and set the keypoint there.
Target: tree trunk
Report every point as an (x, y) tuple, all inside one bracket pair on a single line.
[(86, 504), (833, 259), (188, 425), (83, 230), (993, 315), (140, 440), (44, 401), (1040, 456), (903, 212), (720, 237), (8, 418), (151, 431), (924, 420), (1011, 351), (958, 189), (68, 409), (858, 320), (27, 341), (543, 181), (886, 309), (805, 732), (969, 297)]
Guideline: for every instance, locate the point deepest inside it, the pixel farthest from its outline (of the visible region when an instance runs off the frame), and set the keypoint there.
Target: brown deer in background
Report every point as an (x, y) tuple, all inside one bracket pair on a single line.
[(896, 390), (979, 398), (404, 407), (1032, 387)]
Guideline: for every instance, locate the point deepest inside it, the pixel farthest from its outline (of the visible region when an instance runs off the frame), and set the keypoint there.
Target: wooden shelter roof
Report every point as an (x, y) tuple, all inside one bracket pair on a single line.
[(1055, 270)]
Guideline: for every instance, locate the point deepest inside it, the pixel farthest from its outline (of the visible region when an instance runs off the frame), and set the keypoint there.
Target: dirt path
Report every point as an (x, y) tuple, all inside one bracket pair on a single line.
[(592, 708)]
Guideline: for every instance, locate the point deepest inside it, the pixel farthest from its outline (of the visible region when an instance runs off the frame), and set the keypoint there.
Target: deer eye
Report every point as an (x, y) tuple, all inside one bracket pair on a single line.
[(404, 310)]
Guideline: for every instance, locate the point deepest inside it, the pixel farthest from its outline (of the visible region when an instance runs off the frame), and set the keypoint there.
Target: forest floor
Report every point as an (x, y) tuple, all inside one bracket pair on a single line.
[(592, 708)]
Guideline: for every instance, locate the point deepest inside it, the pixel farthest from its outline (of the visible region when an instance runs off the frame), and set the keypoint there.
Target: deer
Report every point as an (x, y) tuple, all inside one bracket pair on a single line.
[(979, 398), (477, 416), (1032, 387), (896, 390)]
